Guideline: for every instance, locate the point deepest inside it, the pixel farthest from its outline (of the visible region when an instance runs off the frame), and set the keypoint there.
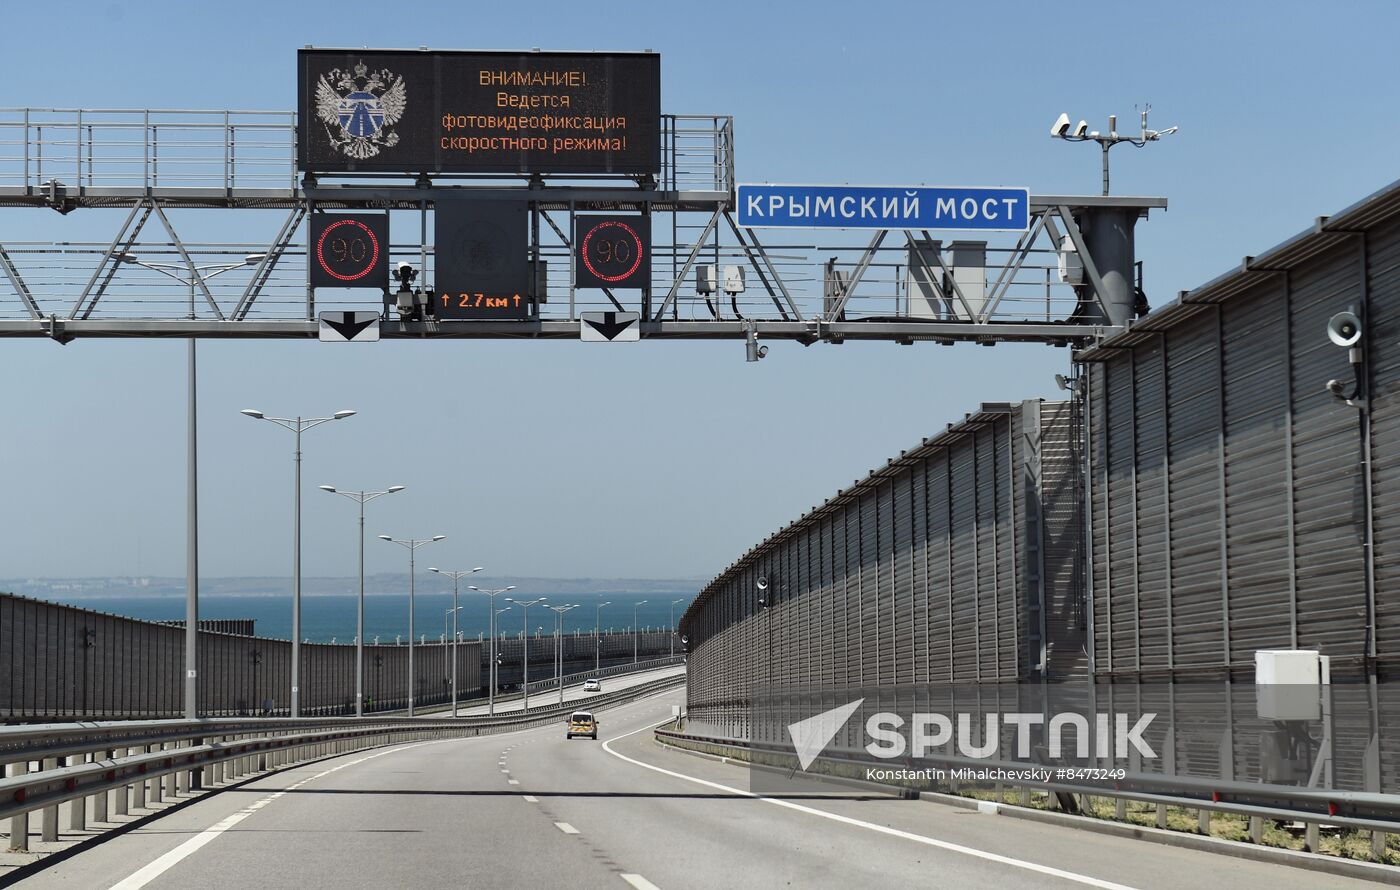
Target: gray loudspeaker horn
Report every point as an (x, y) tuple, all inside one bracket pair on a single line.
[(1344, 329)]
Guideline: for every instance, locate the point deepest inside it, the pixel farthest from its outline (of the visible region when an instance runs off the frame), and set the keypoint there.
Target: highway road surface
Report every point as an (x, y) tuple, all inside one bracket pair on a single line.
[(531, 810), (551, 696)]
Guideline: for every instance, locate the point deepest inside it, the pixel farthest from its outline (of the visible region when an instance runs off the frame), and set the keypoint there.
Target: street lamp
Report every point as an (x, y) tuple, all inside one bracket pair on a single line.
[(495, 661), (491, 625), (412, 544), (598, 638), (559, 643), (199, 274), (635, 635), (297, 426), (673, 625), (361, 497), (525, 643), (456, 578)]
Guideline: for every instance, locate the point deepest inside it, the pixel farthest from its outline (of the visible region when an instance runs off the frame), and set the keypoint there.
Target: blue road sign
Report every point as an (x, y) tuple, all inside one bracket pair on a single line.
[(884, 207)]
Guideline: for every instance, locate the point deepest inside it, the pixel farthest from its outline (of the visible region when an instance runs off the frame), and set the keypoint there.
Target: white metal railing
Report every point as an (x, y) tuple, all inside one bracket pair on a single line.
[(140, 149), (55, 273)]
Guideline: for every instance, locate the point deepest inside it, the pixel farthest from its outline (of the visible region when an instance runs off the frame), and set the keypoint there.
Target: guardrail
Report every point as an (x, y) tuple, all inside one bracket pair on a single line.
[(81, 761), (1377, 813), (545, 686), (615, 670)]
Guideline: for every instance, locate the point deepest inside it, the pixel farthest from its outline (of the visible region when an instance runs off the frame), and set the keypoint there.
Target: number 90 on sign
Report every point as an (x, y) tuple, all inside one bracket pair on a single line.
[(350, 250), (612, 251)]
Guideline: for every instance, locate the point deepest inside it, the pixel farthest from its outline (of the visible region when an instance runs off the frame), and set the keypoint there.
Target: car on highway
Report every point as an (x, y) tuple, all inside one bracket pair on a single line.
[(582, 723), (592, 686)]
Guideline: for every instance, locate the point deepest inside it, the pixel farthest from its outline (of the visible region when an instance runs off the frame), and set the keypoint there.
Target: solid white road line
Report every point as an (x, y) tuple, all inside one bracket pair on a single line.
[(164, 863), (639, 882), (566, 828), (870, 826)]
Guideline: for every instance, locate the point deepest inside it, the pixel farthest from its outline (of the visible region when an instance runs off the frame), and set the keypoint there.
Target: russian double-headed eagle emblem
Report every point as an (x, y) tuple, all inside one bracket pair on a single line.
[(358, 107)]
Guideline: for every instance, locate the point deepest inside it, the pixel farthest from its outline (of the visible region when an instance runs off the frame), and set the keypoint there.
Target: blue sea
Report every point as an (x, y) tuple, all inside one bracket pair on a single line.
[(332, 617)]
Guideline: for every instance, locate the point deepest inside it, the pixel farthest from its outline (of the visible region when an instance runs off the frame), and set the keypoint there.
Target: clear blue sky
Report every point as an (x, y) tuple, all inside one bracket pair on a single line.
[(657, 460)]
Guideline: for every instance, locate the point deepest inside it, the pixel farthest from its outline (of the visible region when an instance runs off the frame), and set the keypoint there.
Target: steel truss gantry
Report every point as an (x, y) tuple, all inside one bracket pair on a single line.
[(164, 168)]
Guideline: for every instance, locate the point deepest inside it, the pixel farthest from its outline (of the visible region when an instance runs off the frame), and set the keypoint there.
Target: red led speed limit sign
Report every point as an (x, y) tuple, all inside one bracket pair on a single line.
[(612, 251), (350, 250)]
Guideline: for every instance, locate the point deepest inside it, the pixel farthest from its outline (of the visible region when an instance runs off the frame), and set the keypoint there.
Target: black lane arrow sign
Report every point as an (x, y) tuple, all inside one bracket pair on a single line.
[(349, 326), (604, 327)]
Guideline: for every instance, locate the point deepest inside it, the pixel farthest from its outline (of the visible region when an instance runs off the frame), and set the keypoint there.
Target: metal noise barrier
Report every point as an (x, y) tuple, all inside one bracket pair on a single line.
[(261, 744)]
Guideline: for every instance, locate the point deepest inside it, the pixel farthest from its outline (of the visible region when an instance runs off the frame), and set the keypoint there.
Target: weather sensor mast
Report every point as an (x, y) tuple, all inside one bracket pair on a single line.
[(1081, 133)]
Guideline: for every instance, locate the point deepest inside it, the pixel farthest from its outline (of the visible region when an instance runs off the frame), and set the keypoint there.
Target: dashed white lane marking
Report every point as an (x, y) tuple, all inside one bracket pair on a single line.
[(165, 862), (530, 798), (513, 781), (566, 828), (882, 829), (159, 866), (506, 771), (639, 882)]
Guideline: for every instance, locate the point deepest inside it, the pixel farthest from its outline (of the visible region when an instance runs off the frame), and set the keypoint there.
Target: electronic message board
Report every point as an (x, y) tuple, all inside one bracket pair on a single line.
[(612, 251), (405, 111), (350, 250), (483, 260)]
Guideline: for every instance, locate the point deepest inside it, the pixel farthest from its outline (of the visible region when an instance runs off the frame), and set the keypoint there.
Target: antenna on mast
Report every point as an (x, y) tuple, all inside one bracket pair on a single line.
[(1080, 132)]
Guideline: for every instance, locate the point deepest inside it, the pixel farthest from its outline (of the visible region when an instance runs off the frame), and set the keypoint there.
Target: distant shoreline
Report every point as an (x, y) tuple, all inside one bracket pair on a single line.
[(125, 587)]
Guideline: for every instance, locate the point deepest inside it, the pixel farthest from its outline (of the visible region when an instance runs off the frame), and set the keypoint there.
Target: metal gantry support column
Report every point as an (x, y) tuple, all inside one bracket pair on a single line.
[(192, 545)]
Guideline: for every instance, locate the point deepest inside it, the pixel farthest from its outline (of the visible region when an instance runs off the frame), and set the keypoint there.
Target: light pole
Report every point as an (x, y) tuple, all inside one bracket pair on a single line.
[(525, 643), (297, 425), (598, 637), (635, 635), (673, 625), (491, 625), (199, 274), (495, 659), (412, 544), (456, 578), (361, 497), (559, 643)]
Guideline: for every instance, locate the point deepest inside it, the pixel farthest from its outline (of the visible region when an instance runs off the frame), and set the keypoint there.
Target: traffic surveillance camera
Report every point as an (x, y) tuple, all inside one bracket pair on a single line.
[(1061, 127), (1081, 130), (405, 273), (1344, 329), (1336, 388), (752, 350)]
